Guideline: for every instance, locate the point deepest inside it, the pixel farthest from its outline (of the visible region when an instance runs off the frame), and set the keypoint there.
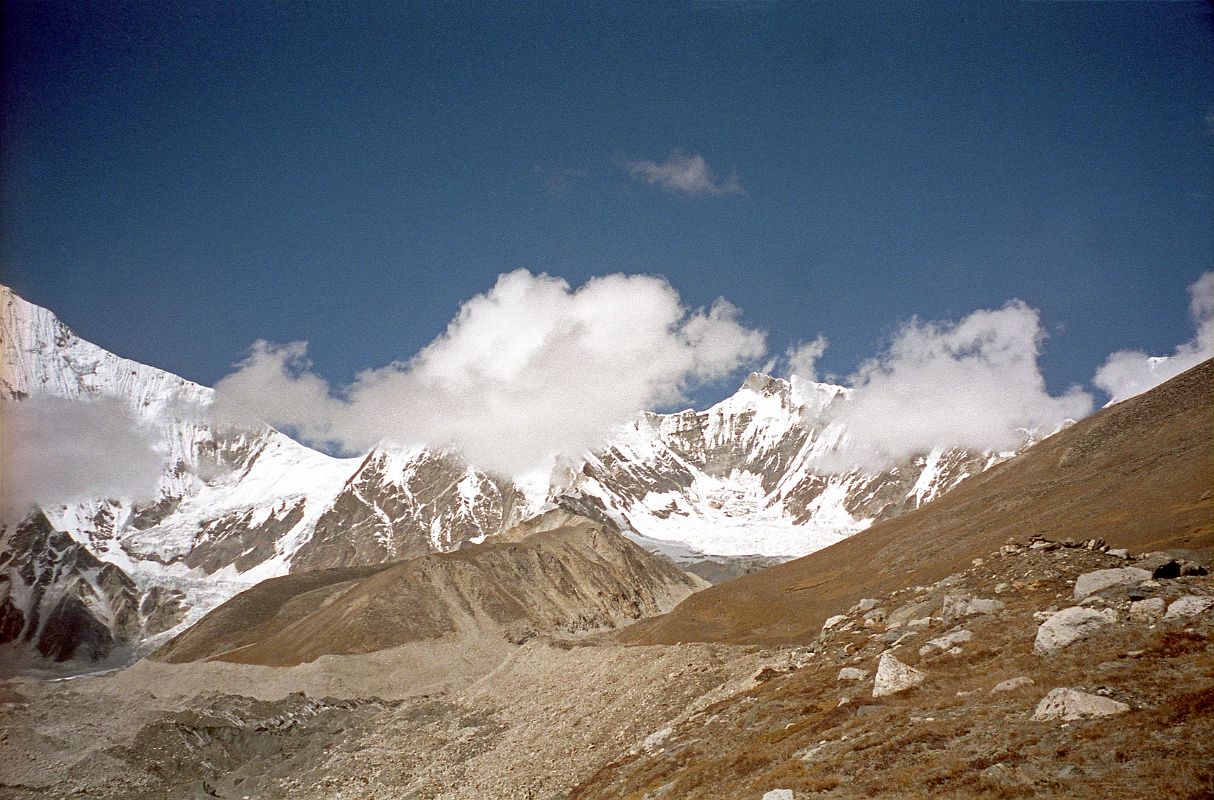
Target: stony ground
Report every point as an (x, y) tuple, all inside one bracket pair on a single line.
[(594, 719), (819, 731), (545, 717)]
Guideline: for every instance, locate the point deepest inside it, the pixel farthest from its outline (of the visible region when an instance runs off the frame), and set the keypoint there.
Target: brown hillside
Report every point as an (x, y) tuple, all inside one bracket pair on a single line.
[(574, 577), (1139, 475)]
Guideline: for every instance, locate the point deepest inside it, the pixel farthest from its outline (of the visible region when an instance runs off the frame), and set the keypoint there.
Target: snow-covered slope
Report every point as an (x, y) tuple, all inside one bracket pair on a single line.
[(743, 477), (237, 501)]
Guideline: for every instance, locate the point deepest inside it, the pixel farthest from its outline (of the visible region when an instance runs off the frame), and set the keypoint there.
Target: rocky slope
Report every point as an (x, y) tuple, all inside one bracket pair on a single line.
[(567, 575), (1043, 670)]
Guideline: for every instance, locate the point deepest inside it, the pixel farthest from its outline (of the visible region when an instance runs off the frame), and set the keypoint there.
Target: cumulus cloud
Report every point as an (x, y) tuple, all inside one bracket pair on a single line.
[(803, 358), (1130, 372), (527, 371), (55, 451), (973, 384), (686, 175)]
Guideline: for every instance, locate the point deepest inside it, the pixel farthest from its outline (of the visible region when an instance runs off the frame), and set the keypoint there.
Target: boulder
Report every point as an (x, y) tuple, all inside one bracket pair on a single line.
[(946, 641), (779, 794), (1189, 606), (1070, 625), (901, 616), (958, 606), (1069, 704), (1120, 552), (837, 619), (1011, 684), (1147, 610), (893, 676), (1163, 565), (1092, 582), (852, 674)]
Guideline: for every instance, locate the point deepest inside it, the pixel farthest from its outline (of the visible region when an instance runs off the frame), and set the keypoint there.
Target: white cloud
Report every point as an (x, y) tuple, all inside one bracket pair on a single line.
[(1130, 372), (680, 174), (973, 384), (529, 370), (803, 358), (54, 450)]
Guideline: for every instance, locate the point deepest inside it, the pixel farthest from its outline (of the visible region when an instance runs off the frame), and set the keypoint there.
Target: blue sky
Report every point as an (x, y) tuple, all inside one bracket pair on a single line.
[(181, 179)]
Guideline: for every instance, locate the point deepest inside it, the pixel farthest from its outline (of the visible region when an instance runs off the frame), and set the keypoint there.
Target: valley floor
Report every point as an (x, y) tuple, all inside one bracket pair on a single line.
[(593, 718), (503, 722)]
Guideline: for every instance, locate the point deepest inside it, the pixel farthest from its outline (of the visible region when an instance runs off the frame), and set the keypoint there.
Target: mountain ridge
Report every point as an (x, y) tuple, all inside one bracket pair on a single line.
[(722, 491), (1137, 474)]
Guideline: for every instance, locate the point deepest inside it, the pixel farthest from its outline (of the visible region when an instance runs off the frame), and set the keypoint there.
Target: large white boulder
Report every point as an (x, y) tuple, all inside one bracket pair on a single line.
[(1070, 625), (1068, 704), (947, 641), (1092, 582), (893, 676), (1012, 684), (1189, 606), (779, 794), (831, 622)]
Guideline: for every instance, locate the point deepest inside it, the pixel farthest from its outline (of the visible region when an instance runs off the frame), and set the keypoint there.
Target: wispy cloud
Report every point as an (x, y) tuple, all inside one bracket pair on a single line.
[(802, 358), (1130, 372), (974, 384), (559, 180), (54, 450), (685, 175)]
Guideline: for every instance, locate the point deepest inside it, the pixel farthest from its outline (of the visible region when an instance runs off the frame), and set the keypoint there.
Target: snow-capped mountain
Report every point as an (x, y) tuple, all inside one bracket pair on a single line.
[(237, 501), (744, 476)]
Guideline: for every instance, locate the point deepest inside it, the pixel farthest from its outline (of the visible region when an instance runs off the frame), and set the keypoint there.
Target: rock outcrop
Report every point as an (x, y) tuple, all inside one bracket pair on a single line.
[(61, 603), (893, 676), (1070, 625), (1071, 704)]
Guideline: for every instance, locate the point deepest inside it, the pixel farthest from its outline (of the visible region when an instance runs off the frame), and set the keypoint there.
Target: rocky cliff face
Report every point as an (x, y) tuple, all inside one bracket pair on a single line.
[(743, 477), (60, 601), (407, 504)]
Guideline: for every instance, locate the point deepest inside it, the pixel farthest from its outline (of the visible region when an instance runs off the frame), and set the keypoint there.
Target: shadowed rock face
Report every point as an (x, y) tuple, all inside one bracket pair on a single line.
[(569, 577), (59, 601)]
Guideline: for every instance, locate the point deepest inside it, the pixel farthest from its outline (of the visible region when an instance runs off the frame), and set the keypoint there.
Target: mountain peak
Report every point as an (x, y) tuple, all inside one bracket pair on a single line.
[(765, 384)]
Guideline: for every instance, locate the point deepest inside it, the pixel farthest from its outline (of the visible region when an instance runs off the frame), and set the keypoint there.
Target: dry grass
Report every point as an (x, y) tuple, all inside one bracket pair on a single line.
[(931, 742)]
